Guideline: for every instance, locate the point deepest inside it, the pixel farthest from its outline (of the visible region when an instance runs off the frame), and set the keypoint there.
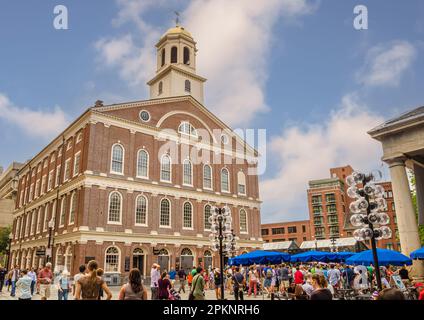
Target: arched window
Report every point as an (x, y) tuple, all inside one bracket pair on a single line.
[(59, 259), (165, 168), (117, 165), (62, 212), (187, 86), (188, 216), (73, 208), (162, 58), (160, 87), (186, 128), (207, 214), (207, 176), (115, 208), (241, 183), (165, 214), (186, 252), (225, 180), (187, 172), (142, 164), (186, 55), (112, 258), (174, 55), (141, 210), (243, 221)]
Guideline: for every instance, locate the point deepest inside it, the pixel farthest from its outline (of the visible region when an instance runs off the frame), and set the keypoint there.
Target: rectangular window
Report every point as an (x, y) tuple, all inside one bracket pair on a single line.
[(241, 189), (33, 221), (37, 188), (278, 230), (27, 225), (331, 208), (331, 197), (291, 229), (43, 184), (316, 199), (57, 180), (39, 219), (31, 191), (265, 232), (303, 228), (77, 163), (317, 209), (50, 181), (62, 212), (67, 172)]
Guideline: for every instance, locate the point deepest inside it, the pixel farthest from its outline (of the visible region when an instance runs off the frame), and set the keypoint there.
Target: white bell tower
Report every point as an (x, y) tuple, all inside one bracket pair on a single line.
[(176, 67)]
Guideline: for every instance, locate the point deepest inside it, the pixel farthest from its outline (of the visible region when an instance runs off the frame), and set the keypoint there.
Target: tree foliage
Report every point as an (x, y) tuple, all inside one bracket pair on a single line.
[(4, 239)]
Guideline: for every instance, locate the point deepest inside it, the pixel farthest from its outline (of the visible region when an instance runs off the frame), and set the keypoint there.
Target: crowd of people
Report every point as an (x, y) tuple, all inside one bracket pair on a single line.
[(309, 281)]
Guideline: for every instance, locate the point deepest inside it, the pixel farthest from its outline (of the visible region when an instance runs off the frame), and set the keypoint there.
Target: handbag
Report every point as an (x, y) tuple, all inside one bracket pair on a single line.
[(191, 295)]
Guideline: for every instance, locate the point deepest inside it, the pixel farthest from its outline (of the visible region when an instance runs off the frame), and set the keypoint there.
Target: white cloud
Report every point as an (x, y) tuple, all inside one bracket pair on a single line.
[(35, 123), (306, 153), (234, 40), (386, 63)]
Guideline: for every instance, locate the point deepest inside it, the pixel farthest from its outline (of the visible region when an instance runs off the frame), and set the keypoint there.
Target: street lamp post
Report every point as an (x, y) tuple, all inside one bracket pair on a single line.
[(9, 250), (368, 212), (333, 244), (48, 251), (221, 236)]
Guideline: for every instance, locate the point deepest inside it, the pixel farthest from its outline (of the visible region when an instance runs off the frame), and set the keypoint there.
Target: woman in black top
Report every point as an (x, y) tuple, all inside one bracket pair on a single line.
[(320, 288)]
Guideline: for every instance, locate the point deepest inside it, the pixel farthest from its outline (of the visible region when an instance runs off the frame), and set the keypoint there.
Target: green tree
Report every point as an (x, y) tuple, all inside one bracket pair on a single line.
[(4, 239), (414, 201)]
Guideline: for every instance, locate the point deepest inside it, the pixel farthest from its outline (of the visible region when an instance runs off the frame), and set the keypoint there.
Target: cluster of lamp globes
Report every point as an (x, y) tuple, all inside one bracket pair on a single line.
[(369, 211), (223, 218)]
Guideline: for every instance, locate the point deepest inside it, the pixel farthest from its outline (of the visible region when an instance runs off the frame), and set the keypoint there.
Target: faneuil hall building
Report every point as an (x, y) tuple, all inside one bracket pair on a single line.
[(133, 183)]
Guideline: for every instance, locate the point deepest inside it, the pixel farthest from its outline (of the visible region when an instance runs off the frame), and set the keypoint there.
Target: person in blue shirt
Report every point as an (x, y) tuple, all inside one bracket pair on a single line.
[(172, 275), (63, 285), (24, 286)]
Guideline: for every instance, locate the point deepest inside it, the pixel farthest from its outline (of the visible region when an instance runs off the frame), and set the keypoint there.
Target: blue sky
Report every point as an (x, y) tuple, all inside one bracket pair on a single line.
[(297, 68)]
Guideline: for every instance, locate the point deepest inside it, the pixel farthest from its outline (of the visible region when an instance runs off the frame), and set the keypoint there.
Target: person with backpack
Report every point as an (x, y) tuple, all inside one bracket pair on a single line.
[(239, 283), (197, 291)]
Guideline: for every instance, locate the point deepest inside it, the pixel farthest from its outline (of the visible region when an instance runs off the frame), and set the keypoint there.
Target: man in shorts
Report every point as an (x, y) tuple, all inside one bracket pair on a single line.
[(45, 278)]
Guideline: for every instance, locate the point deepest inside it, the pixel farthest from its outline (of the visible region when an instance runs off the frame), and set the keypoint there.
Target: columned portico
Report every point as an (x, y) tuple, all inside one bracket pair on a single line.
[(402, 140)]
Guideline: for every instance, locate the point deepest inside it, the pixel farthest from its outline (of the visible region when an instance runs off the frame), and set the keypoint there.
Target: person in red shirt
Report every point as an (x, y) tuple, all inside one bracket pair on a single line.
[(298, 276), (45, 278), (420, 289)]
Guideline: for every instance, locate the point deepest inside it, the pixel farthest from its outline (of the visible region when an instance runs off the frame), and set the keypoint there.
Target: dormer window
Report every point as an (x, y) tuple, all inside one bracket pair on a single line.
[(186, 128), (174, 54), (186, 56), (187, 86)]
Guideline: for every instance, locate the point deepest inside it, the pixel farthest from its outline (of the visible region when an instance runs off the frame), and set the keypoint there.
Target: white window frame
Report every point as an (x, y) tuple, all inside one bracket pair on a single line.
[(191, 173), (62, 212), (211, 177), (170, 168), (75, 171), (192, 132), (50, 180), (228, 182), (241, 184), (247, 222), (43, 184), (120, 208), (111, 159), (69, 145), (204, 216), (138, 159), (57, 175), (33, 222), (170, 214), (46, 214), (119, 260), (135, 211), (71, 208), (191, 218), (79, 137), (31, 192), (66, 177), (38, 226), (37, 189)]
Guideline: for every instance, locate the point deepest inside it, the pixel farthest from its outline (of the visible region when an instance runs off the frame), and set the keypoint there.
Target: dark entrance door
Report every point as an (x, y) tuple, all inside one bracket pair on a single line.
[(163, 261), (207, 263), (187, 263), (138, 262)]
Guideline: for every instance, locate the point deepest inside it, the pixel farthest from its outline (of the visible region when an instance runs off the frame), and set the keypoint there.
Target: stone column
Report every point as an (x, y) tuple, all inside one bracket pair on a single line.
[(405, 213)]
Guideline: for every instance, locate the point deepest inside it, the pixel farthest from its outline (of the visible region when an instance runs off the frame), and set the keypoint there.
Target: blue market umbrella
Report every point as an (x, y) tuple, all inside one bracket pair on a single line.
[(260, 257), (418, 254), (319, 256), (342, 256), (385, 257)]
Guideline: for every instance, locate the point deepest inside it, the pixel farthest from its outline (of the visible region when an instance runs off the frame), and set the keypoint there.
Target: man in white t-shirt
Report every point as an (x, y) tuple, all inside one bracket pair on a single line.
[(154, 278)]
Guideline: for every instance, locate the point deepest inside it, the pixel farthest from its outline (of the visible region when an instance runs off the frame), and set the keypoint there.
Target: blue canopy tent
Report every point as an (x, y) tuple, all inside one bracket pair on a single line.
[(385, 257), (318, 256), (418, 254), (259, 257), (342, 256)]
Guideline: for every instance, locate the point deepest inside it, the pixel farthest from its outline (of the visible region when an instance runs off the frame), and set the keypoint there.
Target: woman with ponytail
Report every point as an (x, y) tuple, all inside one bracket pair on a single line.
[(88, 287), (321, 291)]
